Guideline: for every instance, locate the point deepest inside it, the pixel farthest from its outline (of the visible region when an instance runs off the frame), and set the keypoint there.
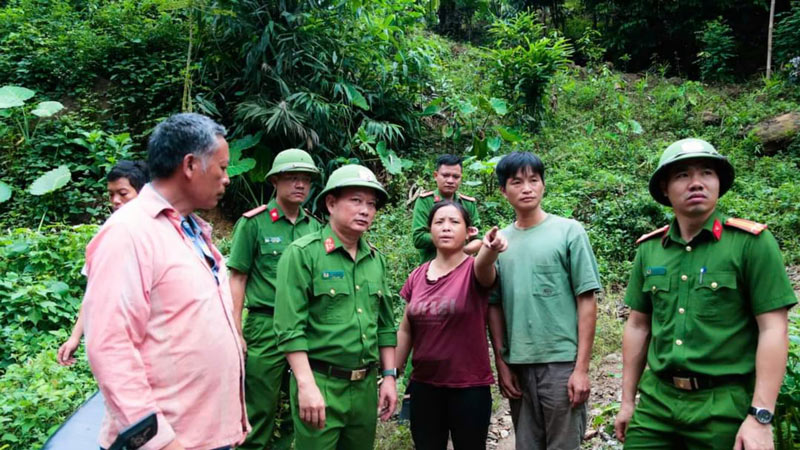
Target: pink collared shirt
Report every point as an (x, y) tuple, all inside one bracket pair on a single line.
[(160, 334)]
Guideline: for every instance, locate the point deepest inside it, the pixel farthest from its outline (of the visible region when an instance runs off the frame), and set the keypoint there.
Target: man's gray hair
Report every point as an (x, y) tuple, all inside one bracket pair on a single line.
[(178, 136)]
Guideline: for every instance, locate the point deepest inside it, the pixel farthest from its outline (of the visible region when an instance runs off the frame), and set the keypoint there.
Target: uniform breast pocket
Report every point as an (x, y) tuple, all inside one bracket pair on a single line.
[(658, 286), (333, 301), (716, 299), (376, 293), (269, 254), (547, 280)]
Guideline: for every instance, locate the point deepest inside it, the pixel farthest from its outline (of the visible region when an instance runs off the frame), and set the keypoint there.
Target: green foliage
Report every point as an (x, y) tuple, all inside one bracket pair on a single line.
[(525, 61), (786, 36), (38, 395), (41, 288), (718, 49), (787, 409)]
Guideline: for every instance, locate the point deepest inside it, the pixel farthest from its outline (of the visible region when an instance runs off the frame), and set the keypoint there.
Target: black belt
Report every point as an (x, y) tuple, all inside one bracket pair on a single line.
[(689, 381), (265, 310), (346, 374)]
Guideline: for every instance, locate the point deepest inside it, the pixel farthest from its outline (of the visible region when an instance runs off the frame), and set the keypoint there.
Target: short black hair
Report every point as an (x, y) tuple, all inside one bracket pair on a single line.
[(448, 160), (512, 163), (135, 171), (178, 136), (441, 204)]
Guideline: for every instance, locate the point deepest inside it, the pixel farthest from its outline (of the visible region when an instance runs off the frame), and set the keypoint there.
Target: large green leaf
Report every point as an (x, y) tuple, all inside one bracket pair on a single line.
[(51, 181), (5, 192), (244, 143), (355, 97), (239, 167), (47, 109), (509, 135), (433, 107), (500, 106), (12, 96)]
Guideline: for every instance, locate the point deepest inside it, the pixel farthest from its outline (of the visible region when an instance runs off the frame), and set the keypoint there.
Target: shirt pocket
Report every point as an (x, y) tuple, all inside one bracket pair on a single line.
[(269, 254), (716, 299), (334, 301), (546, 280), (376, 292), (661, 300)]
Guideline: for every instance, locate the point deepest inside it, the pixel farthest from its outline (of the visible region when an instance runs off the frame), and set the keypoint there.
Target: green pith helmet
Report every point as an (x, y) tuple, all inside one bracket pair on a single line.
[(690, 149), (292, 160), (352, 175)]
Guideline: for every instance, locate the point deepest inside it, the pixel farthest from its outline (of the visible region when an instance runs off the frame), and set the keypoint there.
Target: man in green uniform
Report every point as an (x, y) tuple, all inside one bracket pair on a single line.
[(259, 240), (709, 300), (448, 179), (334, 321)]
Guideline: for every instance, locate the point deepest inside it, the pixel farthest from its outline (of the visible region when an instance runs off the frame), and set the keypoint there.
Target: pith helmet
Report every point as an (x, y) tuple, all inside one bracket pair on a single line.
[(292, 160), (352, 175), (690, 149)]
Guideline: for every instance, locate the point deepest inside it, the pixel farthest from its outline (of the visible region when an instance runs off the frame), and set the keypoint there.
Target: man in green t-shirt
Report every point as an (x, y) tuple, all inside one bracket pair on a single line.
[(542, 317), (334, 320), (709, 300), (259, 240), (448, 179)]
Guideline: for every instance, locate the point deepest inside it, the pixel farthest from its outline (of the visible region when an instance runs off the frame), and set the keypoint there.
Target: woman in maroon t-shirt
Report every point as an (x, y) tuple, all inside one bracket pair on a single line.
[(445, 325)]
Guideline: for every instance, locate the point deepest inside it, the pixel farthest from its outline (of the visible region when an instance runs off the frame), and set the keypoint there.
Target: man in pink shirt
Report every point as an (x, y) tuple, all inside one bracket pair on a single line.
[(160, 335)]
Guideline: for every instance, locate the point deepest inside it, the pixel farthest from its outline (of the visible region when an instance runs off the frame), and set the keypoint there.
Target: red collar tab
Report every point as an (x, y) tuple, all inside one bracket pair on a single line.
[(329, 244), (716, 230), (274, 215), (436, 199)]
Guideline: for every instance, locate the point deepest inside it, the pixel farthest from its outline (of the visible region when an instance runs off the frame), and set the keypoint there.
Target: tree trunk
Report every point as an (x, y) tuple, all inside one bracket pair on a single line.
[(769, 37)]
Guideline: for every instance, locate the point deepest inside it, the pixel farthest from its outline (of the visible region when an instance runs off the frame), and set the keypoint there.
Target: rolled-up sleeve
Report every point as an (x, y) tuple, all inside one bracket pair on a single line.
[(291, 301), (117, 310)]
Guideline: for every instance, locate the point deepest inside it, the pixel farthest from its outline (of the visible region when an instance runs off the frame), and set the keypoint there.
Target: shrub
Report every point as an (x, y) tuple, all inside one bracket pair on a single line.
[(718, 49), (786, 36)]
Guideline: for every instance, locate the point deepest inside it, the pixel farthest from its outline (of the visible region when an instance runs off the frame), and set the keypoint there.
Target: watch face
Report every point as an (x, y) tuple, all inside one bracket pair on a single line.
[(764, 416)]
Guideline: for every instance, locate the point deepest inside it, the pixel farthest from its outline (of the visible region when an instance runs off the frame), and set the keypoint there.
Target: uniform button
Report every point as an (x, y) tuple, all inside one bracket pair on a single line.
[(333, 291), (681, 310), (684, 278), (654, 288), (714, 285), (678, 342), (274, 252), (364, 336), (360, 311), (379, 292), (358, 288), (688, 248)]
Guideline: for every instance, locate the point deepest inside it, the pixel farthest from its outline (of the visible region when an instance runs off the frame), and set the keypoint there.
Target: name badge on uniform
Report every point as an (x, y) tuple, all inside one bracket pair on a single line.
[(272, 240), (655, 270), (333, 274)]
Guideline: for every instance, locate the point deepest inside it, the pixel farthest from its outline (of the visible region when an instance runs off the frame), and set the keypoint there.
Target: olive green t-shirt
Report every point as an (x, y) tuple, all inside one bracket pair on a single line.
[(703, 296), (257, 245), (543, 271)]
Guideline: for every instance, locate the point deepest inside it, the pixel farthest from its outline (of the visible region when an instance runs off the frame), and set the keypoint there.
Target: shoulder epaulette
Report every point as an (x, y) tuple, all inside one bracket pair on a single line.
[(372, 246), (304, 241), (652, 234), (746, 225), (467, 198), (255, 211), (309, 214), (426, 194)]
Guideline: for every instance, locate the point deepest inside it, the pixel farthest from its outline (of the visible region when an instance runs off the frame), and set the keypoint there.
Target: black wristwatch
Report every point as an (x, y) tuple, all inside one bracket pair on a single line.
[(762, 415)]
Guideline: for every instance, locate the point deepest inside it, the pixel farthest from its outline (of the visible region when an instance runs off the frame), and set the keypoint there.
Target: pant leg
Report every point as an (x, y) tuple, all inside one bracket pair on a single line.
[(307, 437), (652, 425), (526, 412), (360, 407), (469, 411), (564, 426), (264, 374), (428, 417), (713, 419)]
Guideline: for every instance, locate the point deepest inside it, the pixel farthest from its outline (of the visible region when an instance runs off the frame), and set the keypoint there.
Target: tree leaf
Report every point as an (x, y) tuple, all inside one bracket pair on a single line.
[(47, 109), (51, 181), (494, 143), (500, 106), (12, 96), (239, 167), (466, 108), (479, 147), (433, 107), (509, 134), (5, 192), (636, 127), (392, 163), (380, 149), (355, 97), (244, 143)]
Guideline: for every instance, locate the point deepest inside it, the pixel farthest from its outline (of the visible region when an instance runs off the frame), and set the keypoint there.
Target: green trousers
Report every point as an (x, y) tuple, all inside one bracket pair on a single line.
[(265, 371), (351, 414), (670, 418)]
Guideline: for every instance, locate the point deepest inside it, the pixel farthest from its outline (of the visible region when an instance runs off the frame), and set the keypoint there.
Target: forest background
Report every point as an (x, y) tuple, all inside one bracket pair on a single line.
[(597, 88)]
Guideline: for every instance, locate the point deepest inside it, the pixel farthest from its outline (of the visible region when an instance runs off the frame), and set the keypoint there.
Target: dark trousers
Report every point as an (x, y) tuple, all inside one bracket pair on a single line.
[(462, 413)]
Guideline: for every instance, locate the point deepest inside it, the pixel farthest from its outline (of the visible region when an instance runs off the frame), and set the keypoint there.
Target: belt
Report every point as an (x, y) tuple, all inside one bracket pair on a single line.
[(689, 381), (346, 374), (265, 310)]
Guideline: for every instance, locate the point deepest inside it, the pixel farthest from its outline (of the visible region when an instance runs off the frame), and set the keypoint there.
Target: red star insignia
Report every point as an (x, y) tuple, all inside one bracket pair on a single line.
[(329, 245), (274, 214), (717, 229), (436, 199)]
